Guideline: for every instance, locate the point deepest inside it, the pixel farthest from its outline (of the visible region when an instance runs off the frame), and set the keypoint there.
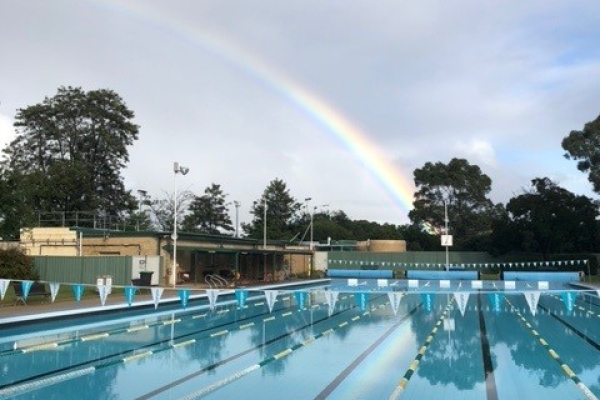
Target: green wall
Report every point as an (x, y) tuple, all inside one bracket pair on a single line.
[(83, 269)]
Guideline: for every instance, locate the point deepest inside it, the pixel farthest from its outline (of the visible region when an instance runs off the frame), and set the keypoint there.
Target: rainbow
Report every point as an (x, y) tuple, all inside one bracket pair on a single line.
[(400, 189)]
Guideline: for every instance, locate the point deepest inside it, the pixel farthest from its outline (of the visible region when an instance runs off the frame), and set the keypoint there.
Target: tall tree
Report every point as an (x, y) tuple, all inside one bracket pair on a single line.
[(549, 219), (74, 146), (282, 210), (463, 188), (584, 146), (208, 213)]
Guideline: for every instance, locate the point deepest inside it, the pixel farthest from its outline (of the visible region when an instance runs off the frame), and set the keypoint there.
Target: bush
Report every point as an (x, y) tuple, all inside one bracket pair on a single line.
[(14, 264)]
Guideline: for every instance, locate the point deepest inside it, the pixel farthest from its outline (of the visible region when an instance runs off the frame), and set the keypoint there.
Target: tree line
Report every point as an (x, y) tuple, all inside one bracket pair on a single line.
[(70, 149)]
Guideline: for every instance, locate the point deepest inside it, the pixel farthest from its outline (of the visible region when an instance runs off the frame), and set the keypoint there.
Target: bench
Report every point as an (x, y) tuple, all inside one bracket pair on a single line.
[(37, 289)]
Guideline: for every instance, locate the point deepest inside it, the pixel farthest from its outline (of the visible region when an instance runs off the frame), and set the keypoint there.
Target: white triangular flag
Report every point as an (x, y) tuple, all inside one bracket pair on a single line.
[(103, 291), (271, 297), (395, 298), (212, 297), (156, 294), (532, 297), (54, 286), (3, 286), (462, 299)]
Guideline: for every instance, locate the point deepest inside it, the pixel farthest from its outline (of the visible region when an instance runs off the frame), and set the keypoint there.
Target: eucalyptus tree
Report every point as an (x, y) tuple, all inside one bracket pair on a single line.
[(584, 146), (462, 190), (549, 219), (69, 151)]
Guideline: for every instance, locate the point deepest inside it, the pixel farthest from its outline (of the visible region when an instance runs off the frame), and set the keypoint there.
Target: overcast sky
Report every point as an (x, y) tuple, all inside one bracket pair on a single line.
[(222, 86)]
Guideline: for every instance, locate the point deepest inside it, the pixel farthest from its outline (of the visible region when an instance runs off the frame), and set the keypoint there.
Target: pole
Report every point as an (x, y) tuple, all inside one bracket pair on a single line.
[(237, 218), (265, 225), (174, 271), (446, 232)]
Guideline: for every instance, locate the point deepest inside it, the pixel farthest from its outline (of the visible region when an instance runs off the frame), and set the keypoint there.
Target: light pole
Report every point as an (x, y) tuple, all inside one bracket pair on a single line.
[(446, 238), (237, 205), (265, 225), (310, 215), (143, 194), (177, 169)]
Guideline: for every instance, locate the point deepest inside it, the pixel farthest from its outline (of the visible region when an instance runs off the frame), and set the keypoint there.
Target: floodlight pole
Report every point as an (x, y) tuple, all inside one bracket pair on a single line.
[(265, 225), (446, 233), (237, 205), (177, 169)]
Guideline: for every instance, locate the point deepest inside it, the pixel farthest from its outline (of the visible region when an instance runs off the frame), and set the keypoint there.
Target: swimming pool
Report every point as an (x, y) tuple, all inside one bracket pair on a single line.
[(353, 339)]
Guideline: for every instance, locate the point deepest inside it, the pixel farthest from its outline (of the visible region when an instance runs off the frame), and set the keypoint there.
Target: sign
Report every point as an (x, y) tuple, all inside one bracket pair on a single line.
[(446, 240)]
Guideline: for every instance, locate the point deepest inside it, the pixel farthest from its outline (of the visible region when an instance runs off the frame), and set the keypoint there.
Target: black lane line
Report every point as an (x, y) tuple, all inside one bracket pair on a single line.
[(488, 366), (582, 335), (201, 371), (344, 374)]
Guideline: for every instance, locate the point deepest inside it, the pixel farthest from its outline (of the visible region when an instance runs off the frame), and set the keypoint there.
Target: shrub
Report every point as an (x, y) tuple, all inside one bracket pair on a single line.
[(14, 264)]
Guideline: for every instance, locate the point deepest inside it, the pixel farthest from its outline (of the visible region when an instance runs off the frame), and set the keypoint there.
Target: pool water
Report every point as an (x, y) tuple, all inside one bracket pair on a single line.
[(365, 341)]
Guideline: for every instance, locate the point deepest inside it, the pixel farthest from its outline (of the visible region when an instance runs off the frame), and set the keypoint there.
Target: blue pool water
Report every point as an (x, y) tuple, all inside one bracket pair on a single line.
[(370, 340)]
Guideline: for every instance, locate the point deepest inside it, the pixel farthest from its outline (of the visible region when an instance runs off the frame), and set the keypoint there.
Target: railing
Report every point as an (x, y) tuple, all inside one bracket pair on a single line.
[(215, 281)]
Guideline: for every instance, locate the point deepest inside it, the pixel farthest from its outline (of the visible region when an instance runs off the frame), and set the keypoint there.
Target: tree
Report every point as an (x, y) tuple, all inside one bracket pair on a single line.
[(208, 213), (162, 213), (282, 212), (463, 188), (584, 146), (72, 147), (549, 219)]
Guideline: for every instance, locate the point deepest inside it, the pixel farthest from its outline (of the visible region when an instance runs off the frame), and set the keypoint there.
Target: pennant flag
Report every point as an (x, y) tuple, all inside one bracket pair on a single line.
[(212, 297), (300, 297), (428, 300), (331, 297), (598, 293), (271, 297), (156, 295), (496, 300), (3, 286), (532, 297), (78, 290), (129, 292), (103, 291), (54, 286), (26, 287), (395, 298), (568, 299), (184, 296), (361, 300), (240, 297), (462, 298)]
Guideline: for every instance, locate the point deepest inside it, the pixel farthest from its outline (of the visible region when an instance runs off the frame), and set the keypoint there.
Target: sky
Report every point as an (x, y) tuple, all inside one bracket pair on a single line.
[(340, 100)]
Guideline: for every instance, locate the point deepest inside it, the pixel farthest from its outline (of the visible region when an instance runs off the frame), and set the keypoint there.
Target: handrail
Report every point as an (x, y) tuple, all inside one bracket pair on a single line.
[(214, 280)]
